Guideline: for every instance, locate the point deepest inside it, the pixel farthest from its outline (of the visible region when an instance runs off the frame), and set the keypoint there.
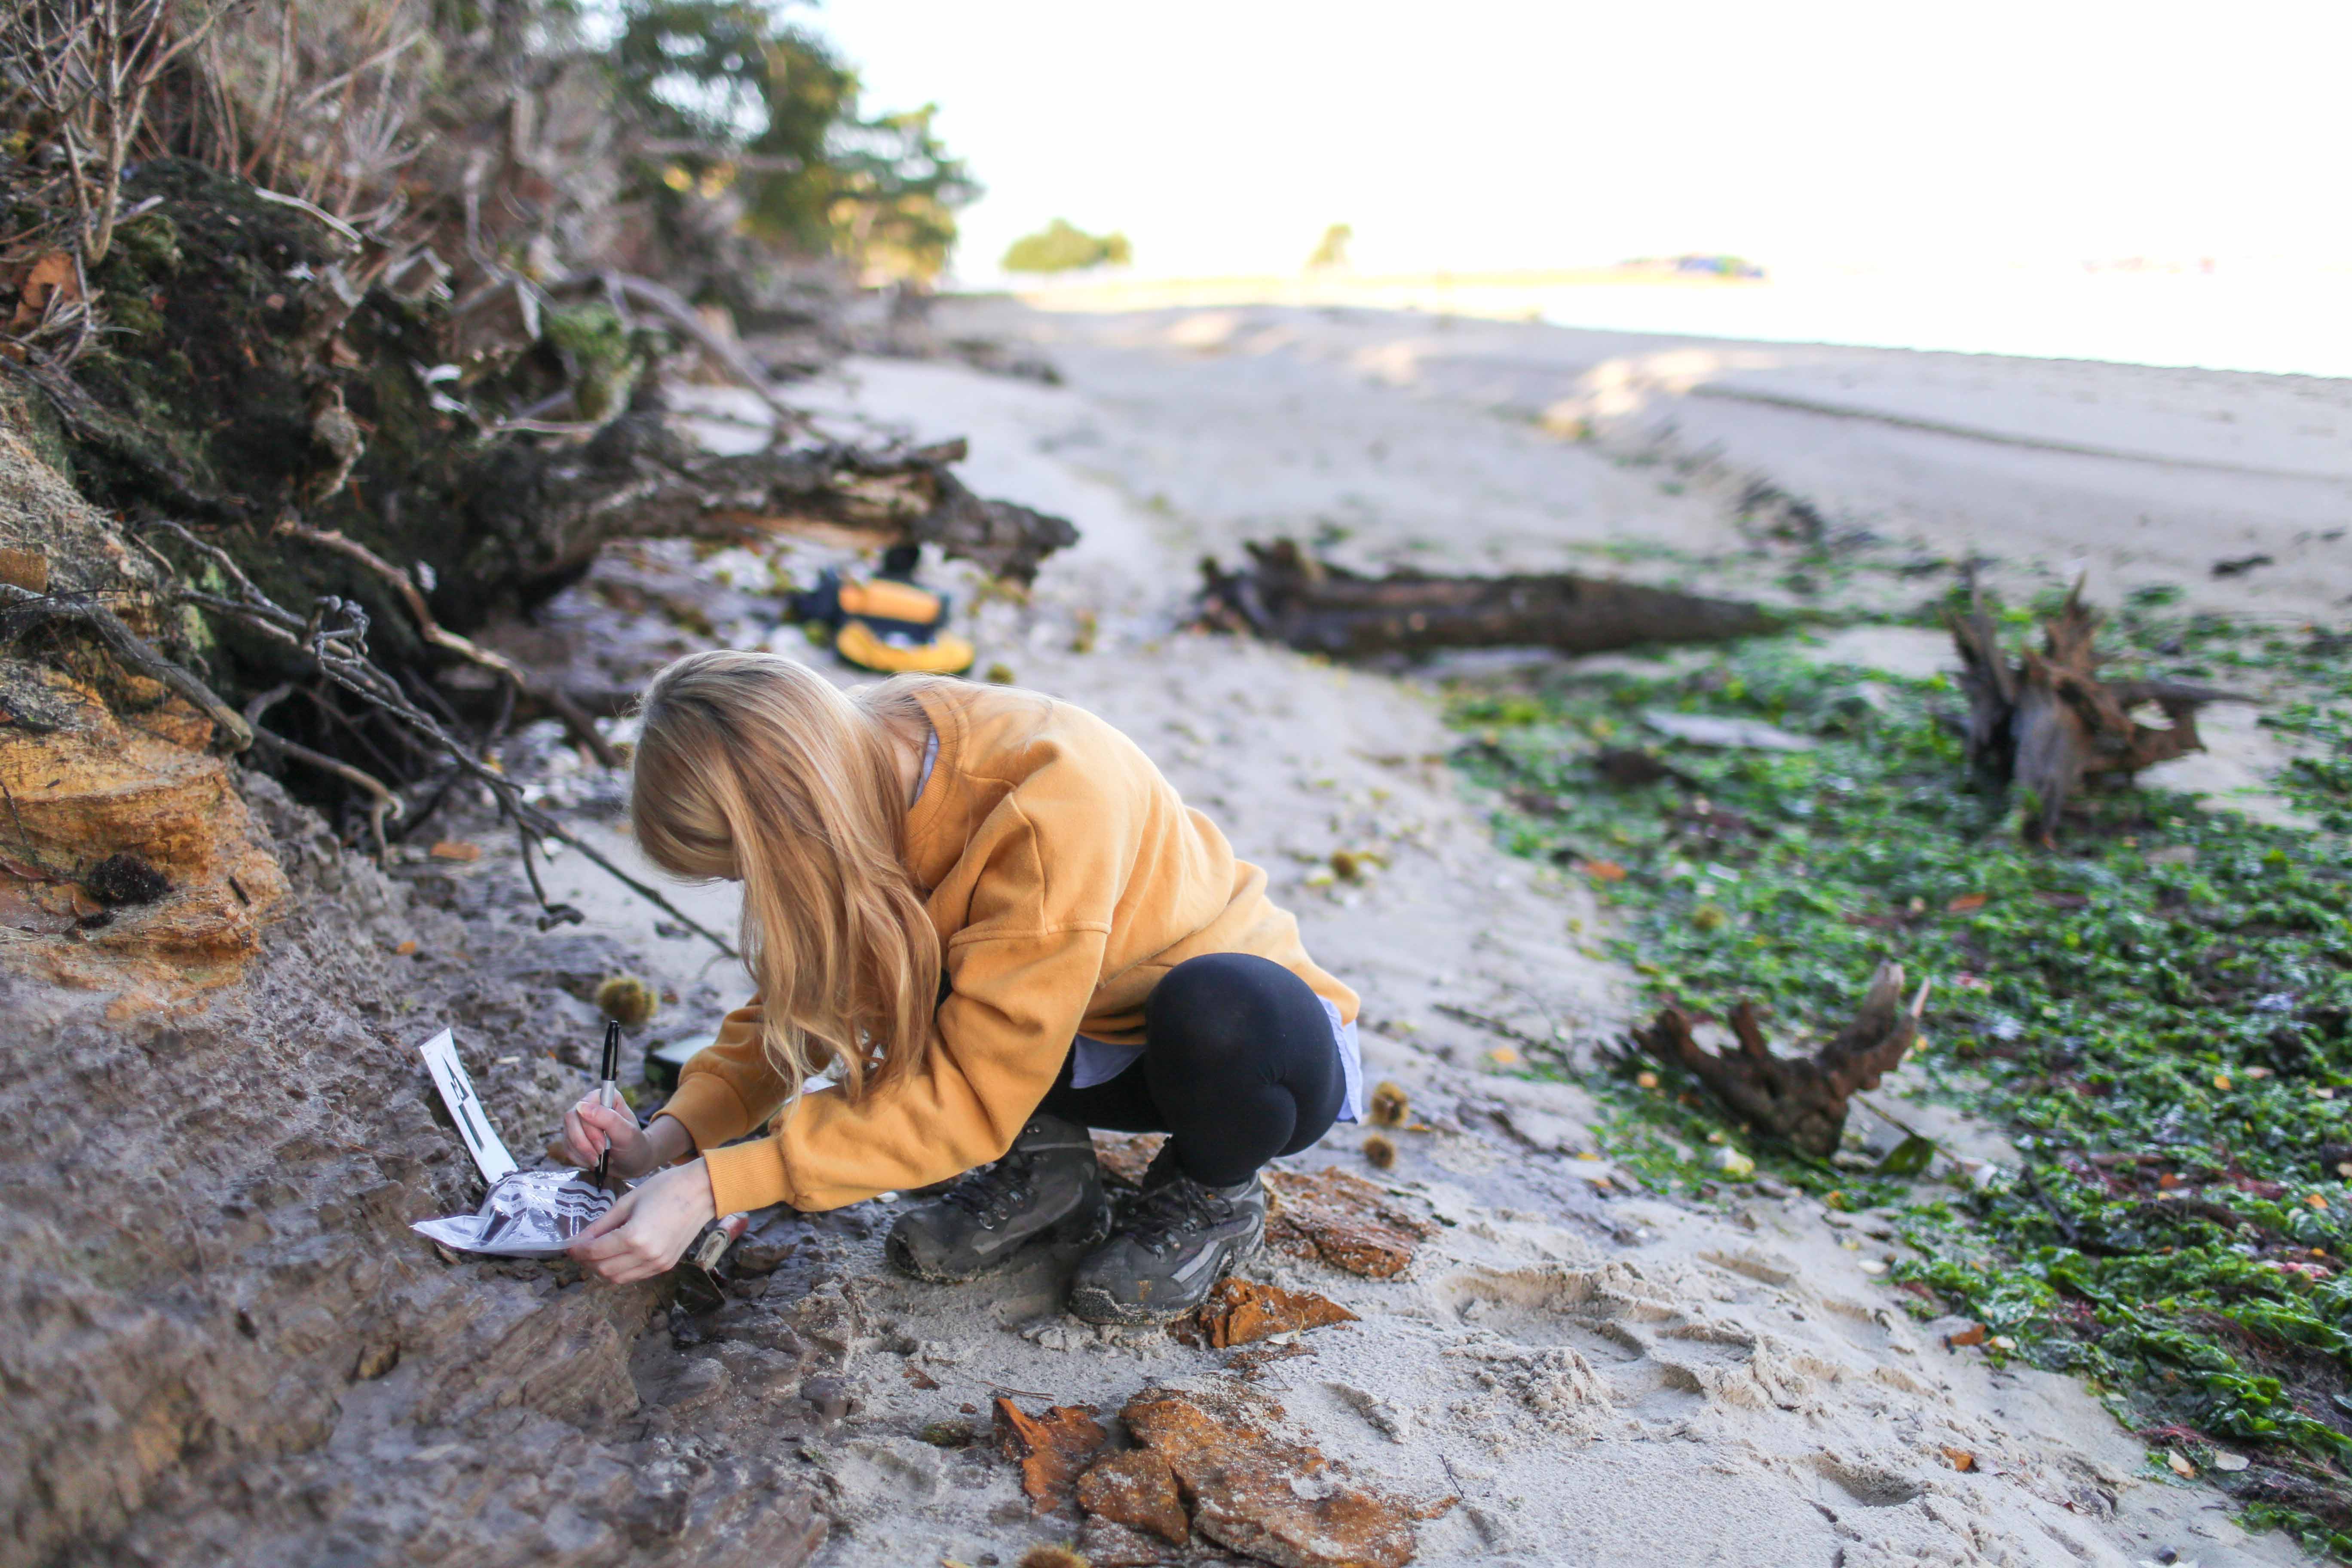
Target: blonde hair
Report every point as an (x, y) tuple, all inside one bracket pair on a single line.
[(755, 768)]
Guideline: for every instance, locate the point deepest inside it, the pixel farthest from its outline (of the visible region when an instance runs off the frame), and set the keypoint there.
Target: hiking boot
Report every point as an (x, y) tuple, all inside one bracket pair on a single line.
[(1178, 1241), (1046, 1188)]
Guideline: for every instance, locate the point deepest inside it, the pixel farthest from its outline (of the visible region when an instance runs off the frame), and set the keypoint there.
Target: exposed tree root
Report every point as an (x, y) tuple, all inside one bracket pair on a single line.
[(2047, 722), (1799, 1099), (1289, 596)]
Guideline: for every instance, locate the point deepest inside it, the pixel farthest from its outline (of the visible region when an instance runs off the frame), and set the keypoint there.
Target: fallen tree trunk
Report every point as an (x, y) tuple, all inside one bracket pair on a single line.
[(1288, 596), (1801, 1100), (2046, 723)]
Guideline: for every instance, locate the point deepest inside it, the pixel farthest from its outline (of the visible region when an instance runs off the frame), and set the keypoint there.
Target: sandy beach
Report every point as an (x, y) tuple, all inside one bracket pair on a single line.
[(1602, 1375)]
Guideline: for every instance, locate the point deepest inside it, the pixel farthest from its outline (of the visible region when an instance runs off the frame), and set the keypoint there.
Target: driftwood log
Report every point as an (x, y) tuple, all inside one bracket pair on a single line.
[(1799, 1100), (2045, 722), (1288, 596)]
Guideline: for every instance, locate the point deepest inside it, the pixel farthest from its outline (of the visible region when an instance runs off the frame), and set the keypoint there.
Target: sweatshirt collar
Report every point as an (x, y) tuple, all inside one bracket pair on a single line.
[(936, 807)]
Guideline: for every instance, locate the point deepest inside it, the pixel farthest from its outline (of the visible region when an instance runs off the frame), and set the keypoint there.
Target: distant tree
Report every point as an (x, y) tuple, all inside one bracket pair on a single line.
[(1062, 247), (896, 192), (730, 94), (1331, 250)]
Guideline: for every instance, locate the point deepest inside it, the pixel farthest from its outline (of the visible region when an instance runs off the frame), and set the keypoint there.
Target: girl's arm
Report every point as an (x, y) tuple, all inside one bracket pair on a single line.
[(727, 1089), (1000, 1040), (1046, 870)]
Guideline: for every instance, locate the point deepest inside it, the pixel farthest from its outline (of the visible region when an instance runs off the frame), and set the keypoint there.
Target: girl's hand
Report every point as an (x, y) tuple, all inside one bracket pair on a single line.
[(590, 1126), (643, 1233)]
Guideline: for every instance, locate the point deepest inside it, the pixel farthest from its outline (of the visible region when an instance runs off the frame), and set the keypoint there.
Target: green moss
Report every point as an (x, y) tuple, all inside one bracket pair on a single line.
[(599, 353)]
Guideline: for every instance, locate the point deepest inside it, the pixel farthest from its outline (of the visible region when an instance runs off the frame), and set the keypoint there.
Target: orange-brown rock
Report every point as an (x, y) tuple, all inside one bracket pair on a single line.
[(1239, 1312), (1343, 1220), (1137, 1490), (1051, 1449), (1262, 1496), (1125, 1156), (84, 784)]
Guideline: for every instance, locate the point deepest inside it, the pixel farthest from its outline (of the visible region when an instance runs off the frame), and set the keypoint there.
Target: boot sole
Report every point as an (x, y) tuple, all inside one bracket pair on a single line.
[(1093, 1304), (1087, 1226)]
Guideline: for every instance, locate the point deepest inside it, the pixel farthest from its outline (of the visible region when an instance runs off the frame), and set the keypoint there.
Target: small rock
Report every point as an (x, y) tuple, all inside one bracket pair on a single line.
[(125, 878), (1342, 1220), (1724, 734), (1109, 1544), (1137, 1490), (1387, 1419), (830, 1396), (1239, 1313), (1051, 1449), (1278, 1501), (700, 1382)]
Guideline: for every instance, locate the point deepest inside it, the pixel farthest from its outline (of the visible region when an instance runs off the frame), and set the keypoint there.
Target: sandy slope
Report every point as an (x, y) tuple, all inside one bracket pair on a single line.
[(2136, 475), (1603, 1378)]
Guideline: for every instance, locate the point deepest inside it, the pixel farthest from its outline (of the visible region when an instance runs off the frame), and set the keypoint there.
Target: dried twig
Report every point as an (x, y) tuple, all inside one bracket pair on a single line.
[(134, 650), (576, 721), (382, 801), (340, 650), (338, 640), (90, 64)]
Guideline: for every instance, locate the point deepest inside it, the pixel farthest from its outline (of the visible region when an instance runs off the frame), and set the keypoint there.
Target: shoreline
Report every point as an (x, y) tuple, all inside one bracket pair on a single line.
[(2248, 321)]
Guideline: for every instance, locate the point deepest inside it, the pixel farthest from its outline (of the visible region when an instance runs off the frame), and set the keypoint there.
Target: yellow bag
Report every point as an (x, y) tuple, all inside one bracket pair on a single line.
[(944, 653)]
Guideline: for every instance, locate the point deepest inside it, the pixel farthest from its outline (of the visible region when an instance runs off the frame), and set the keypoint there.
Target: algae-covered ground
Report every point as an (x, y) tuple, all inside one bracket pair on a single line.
[(2155, 1013)]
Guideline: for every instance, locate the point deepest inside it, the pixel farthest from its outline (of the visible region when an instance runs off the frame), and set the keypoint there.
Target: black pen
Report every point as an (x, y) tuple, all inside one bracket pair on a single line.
[(609, 1091)]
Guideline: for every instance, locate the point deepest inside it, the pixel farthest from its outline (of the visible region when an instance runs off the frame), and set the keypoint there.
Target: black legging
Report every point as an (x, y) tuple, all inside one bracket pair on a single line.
[(1238, 1066)]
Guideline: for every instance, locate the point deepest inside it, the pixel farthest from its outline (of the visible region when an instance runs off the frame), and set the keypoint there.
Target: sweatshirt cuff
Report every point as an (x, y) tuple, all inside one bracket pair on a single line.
[(708, 1106), (747, 1176)]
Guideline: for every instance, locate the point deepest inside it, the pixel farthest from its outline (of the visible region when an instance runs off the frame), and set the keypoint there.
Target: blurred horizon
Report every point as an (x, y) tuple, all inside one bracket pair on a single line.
[(1818, 139)]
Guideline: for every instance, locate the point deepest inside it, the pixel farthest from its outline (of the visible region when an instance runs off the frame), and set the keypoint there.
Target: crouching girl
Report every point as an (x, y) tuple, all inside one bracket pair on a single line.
[(987, 919)]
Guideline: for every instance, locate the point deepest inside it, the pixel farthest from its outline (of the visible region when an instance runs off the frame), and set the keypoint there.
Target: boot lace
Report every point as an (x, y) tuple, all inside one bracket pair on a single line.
[(1172, 1212), (992, 1193)]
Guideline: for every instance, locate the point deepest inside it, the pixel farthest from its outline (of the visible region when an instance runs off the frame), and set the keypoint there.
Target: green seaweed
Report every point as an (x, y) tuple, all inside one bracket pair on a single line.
[(2159, 1013)]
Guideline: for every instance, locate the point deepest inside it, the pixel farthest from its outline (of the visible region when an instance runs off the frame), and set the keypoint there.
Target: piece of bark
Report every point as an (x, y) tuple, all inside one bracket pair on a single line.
[(1051, 1449), (1799, 1099), (1342, 1220), (1241, 1312), (1262, 1496), (1137, 1490), (2046, 722), (1288, 596)]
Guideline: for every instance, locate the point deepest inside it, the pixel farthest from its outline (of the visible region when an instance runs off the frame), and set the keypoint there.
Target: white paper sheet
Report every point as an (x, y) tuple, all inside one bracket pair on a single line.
[(466, 1107), (531, 1213)]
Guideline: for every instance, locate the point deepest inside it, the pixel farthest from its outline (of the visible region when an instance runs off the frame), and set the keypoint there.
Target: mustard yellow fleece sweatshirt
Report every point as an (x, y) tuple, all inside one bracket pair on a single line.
[(1065, 877)]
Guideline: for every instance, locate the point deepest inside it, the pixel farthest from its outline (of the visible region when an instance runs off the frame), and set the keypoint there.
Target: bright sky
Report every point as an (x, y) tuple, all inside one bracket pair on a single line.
[(1223, 135)]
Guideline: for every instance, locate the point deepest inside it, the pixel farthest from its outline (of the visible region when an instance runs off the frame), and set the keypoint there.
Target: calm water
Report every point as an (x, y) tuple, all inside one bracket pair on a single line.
[(2281, 323)]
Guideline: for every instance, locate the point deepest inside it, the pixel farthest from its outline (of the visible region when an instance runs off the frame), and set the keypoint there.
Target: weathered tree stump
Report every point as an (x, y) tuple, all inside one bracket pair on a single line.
[(1800, 1100), (2046, 723)]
